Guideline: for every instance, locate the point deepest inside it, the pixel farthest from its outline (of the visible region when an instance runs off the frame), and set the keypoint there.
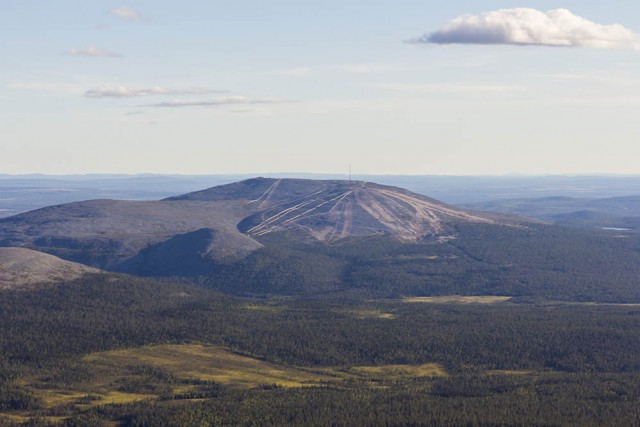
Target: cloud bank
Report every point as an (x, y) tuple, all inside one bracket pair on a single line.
[(92, 52), (526, 26), (125, 13), (127, 92)]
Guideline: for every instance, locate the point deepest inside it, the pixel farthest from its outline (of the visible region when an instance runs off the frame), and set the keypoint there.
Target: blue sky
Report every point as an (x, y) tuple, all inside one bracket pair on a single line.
[(306, 86)]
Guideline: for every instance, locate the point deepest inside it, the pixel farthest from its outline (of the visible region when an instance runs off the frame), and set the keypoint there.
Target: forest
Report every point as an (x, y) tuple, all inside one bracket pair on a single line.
[(96, 352), (542, 262)]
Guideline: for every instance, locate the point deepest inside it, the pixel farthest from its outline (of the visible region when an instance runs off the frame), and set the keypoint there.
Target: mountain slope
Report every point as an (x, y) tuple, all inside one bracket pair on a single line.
[(107, 233), (197, 233), (20, 267), (334, 210)]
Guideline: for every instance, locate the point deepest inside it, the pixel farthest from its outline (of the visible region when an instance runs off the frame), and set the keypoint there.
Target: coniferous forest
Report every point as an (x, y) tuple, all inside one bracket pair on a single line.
[(116, 350)]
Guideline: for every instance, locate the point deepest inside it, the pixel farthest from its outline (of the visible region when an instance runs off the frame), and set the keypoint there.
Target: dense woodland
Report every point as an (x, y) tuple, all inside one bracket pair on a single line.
[(538, 261), (580, 363)]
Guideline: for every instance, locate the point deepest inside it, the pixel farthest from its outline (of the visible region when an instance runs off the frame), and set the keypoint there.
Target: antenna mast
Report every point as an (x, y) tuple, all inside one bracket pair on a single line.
[(349, 171)]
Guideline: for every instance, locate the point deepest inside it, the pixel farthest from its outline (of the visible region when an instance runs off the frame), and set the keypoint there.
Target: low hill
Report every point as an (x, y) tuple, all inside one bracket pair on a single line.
[(20, 268), (612, 212), (109, 233)]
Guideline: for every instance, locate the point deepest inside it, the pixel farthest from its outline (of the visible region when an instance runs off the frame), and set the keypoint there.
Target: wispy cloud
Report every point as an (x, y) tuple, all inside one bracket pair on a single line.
[(348, 68), (125, 13), (216, 102), (296, 72), (526, 26), (460, 88), (367, 68), (127, 92), (92, 52), (53, 87)]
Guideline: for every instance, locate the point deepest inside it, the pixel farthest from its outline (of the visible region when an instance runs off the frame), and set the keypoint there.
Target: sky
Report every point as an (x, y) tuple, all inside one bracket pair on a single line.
[(254, 86)]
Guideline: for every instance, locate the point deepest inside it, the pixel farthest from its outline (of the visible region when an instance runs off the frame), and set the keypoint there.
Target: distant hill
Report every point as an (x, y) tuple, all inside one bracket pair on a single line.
[(584, 212), (22, 268)]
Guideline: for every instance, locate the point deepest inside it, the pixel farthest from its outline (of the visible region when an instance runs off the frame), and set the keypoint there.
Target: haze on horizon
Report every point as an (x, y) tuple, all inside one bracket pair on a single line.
[(402, 87)]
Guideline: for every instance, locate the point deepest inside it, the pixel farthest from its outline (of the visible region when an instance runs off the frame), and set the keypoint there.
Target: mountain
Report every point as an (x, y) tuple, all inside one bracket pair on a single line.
[(20, 268), (262, 237), (189, 233), (334, 210)]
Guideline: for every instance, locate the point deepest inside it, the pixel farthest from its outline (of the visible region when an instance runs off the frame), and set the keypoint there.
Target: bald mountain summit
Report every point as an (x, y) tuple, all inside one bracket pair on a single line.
[(333, 210), (294, 236)]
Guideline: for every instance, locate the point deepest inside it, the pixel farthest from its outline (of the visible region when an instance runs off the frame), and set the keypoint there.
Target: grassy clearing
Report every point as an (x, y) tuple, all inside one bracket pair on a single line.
[(372, 314), (185, 371), (264, 307), (113, 397), (25, 418), (458, 299), (12, 418), (398, 372), (211, 363), (104, 397)]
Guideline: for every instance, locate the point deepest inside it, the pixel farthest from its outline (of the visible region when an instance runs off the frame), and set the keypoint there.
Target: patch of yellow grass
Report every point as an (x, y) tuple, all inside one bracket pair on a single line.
[(13, 418), (259, 307), (120, 397), (60, 397), (210, 363), (367, 314), (459, 299), (398, 372), (204, 362)]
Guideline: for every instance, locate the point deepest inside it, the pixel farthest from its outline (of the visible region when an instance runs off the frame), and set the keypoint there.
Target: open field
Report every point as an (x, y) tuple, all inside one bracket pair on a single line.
[(188, 371), (210, 363), (459, 299)]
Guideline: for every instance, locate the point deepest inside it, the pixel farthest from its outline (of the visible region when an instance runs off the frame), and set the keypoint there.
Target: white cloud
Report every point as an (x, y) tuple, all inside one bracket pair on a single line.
[(216, 102), (526, 26), (125, 13), (92, 52), (127, 92)]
